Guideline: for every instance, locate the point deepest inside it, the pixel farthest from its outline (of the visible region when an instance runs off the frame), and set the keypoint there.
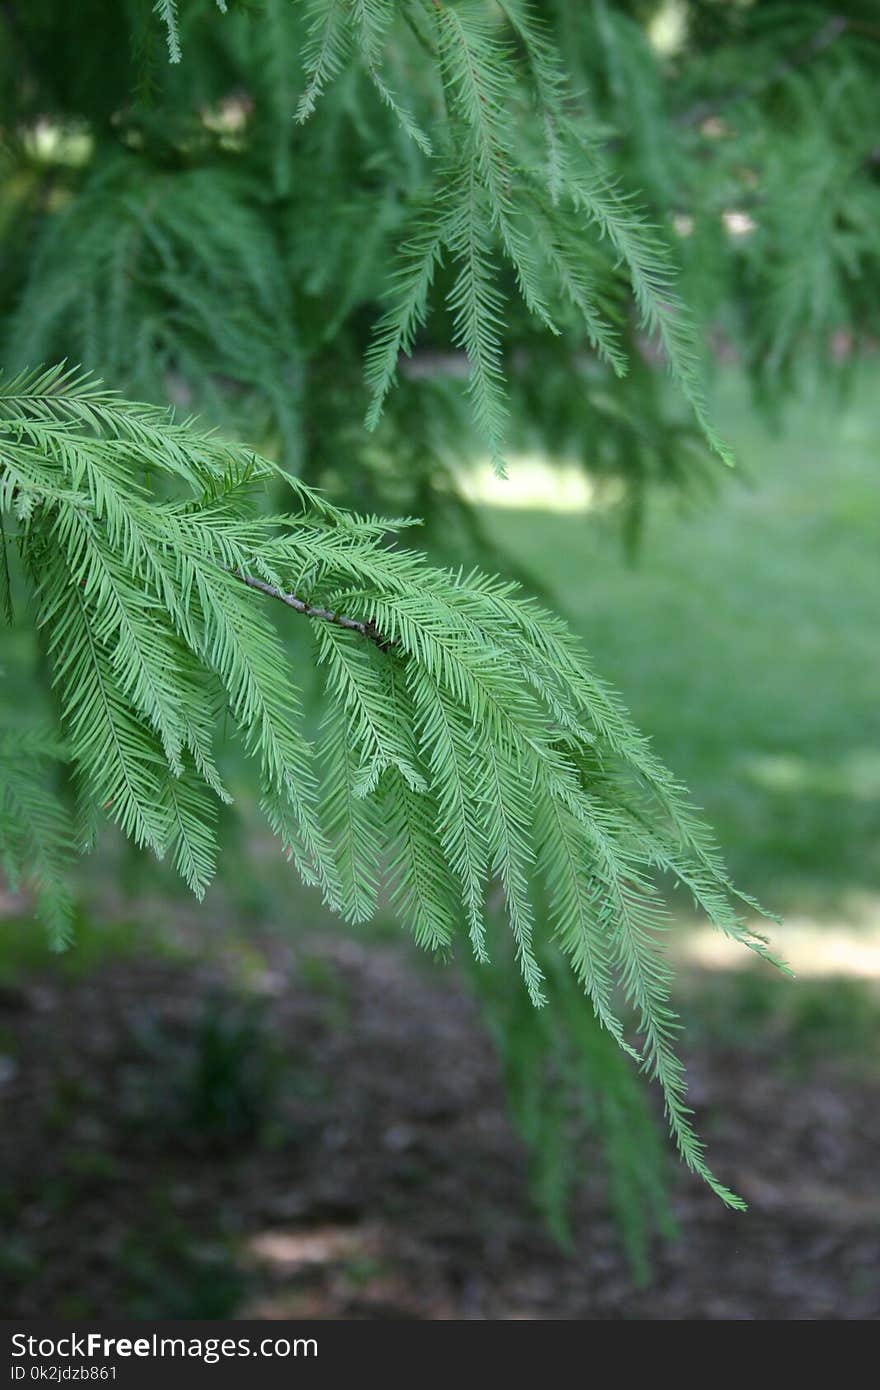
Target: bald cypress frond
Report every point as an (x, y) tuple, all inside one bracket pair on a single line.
[(465, 742)]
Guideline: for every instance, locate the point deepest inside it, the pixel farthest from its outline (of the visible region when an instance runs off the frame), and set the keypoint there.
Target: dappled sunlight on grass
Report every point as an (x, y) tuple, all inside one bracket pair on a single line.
[(843, 947), (534, 483), (744, 639), (855, 774), (53, 142), (288, 1250)]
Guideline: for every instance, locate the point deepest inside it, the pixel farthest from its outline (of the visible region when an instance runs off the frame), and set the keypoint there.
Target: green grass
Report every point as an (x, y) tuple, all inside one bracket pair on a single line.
[(745, 640), (24, 950), (799, 1028)]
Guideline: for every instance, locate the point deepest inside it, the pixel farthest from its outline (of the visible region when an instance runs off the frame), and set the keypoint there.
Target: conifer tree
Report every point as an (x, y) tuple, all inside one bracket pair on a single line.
[(286, 221)]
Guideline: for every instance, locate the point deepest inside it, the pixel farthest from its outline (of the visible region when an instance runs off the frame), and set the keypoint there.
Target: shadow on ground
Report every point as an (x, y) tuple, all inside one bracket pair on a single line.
[(329, 1140)]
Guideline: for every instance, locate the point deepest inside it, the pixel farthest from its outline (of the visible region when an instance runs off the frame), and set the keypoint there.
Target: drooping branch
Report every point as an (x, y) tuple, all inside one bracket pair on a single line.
[(366, 629)]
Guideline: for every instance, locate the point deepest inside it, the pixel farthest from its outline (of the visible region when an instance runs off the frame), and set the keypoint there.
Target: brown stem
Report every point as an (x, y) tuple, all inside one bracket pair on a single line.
[(366, 629)]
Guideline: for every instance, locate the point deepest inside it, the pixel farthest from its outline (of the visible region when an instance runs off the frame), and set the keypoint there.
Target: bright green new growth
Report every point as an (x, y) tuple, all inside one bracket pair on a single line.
[(465, 740)]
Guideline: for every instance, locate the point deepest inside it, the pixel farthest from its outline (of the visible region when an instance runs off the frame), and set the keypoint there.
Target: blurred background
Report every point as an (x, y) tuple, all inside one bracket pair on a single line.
[(242, 1108)]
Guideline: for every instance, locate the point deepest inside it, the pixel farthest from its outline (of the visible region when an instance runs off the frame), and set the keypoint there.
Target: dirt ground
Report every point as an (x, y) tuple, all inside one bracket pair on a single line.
[(340, 1150)]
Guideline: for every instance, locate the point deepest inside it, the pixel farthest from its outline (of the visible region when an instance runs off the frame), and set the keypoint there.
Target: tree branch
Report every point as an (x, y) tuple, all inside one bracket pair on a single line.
[(366, 629), (830, 31)]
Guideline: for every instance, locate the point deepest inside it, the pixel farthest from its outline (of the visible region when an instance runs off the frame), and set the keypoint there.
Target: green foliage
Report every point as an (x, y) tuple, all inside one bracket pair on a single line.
[(161, 224), (571, 1089), (465, 741), (225, 1080), (171, 283), (35, 840), (167, 264), (314, 202)]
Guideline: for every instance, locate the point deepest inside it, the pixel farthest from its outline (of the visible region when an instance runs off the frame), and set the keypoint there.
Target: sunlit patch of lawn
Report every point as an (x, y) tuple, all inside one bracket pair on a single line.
[(745, 639)]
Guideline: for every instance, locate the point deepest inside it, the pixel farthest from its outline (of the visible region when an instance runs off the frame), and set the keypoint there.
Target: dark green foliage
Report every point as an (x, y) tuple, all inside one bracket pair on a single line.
[(449, 137), (176, 288), (222, 1082), (185, 256), (577, 1101), (35, 839)]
